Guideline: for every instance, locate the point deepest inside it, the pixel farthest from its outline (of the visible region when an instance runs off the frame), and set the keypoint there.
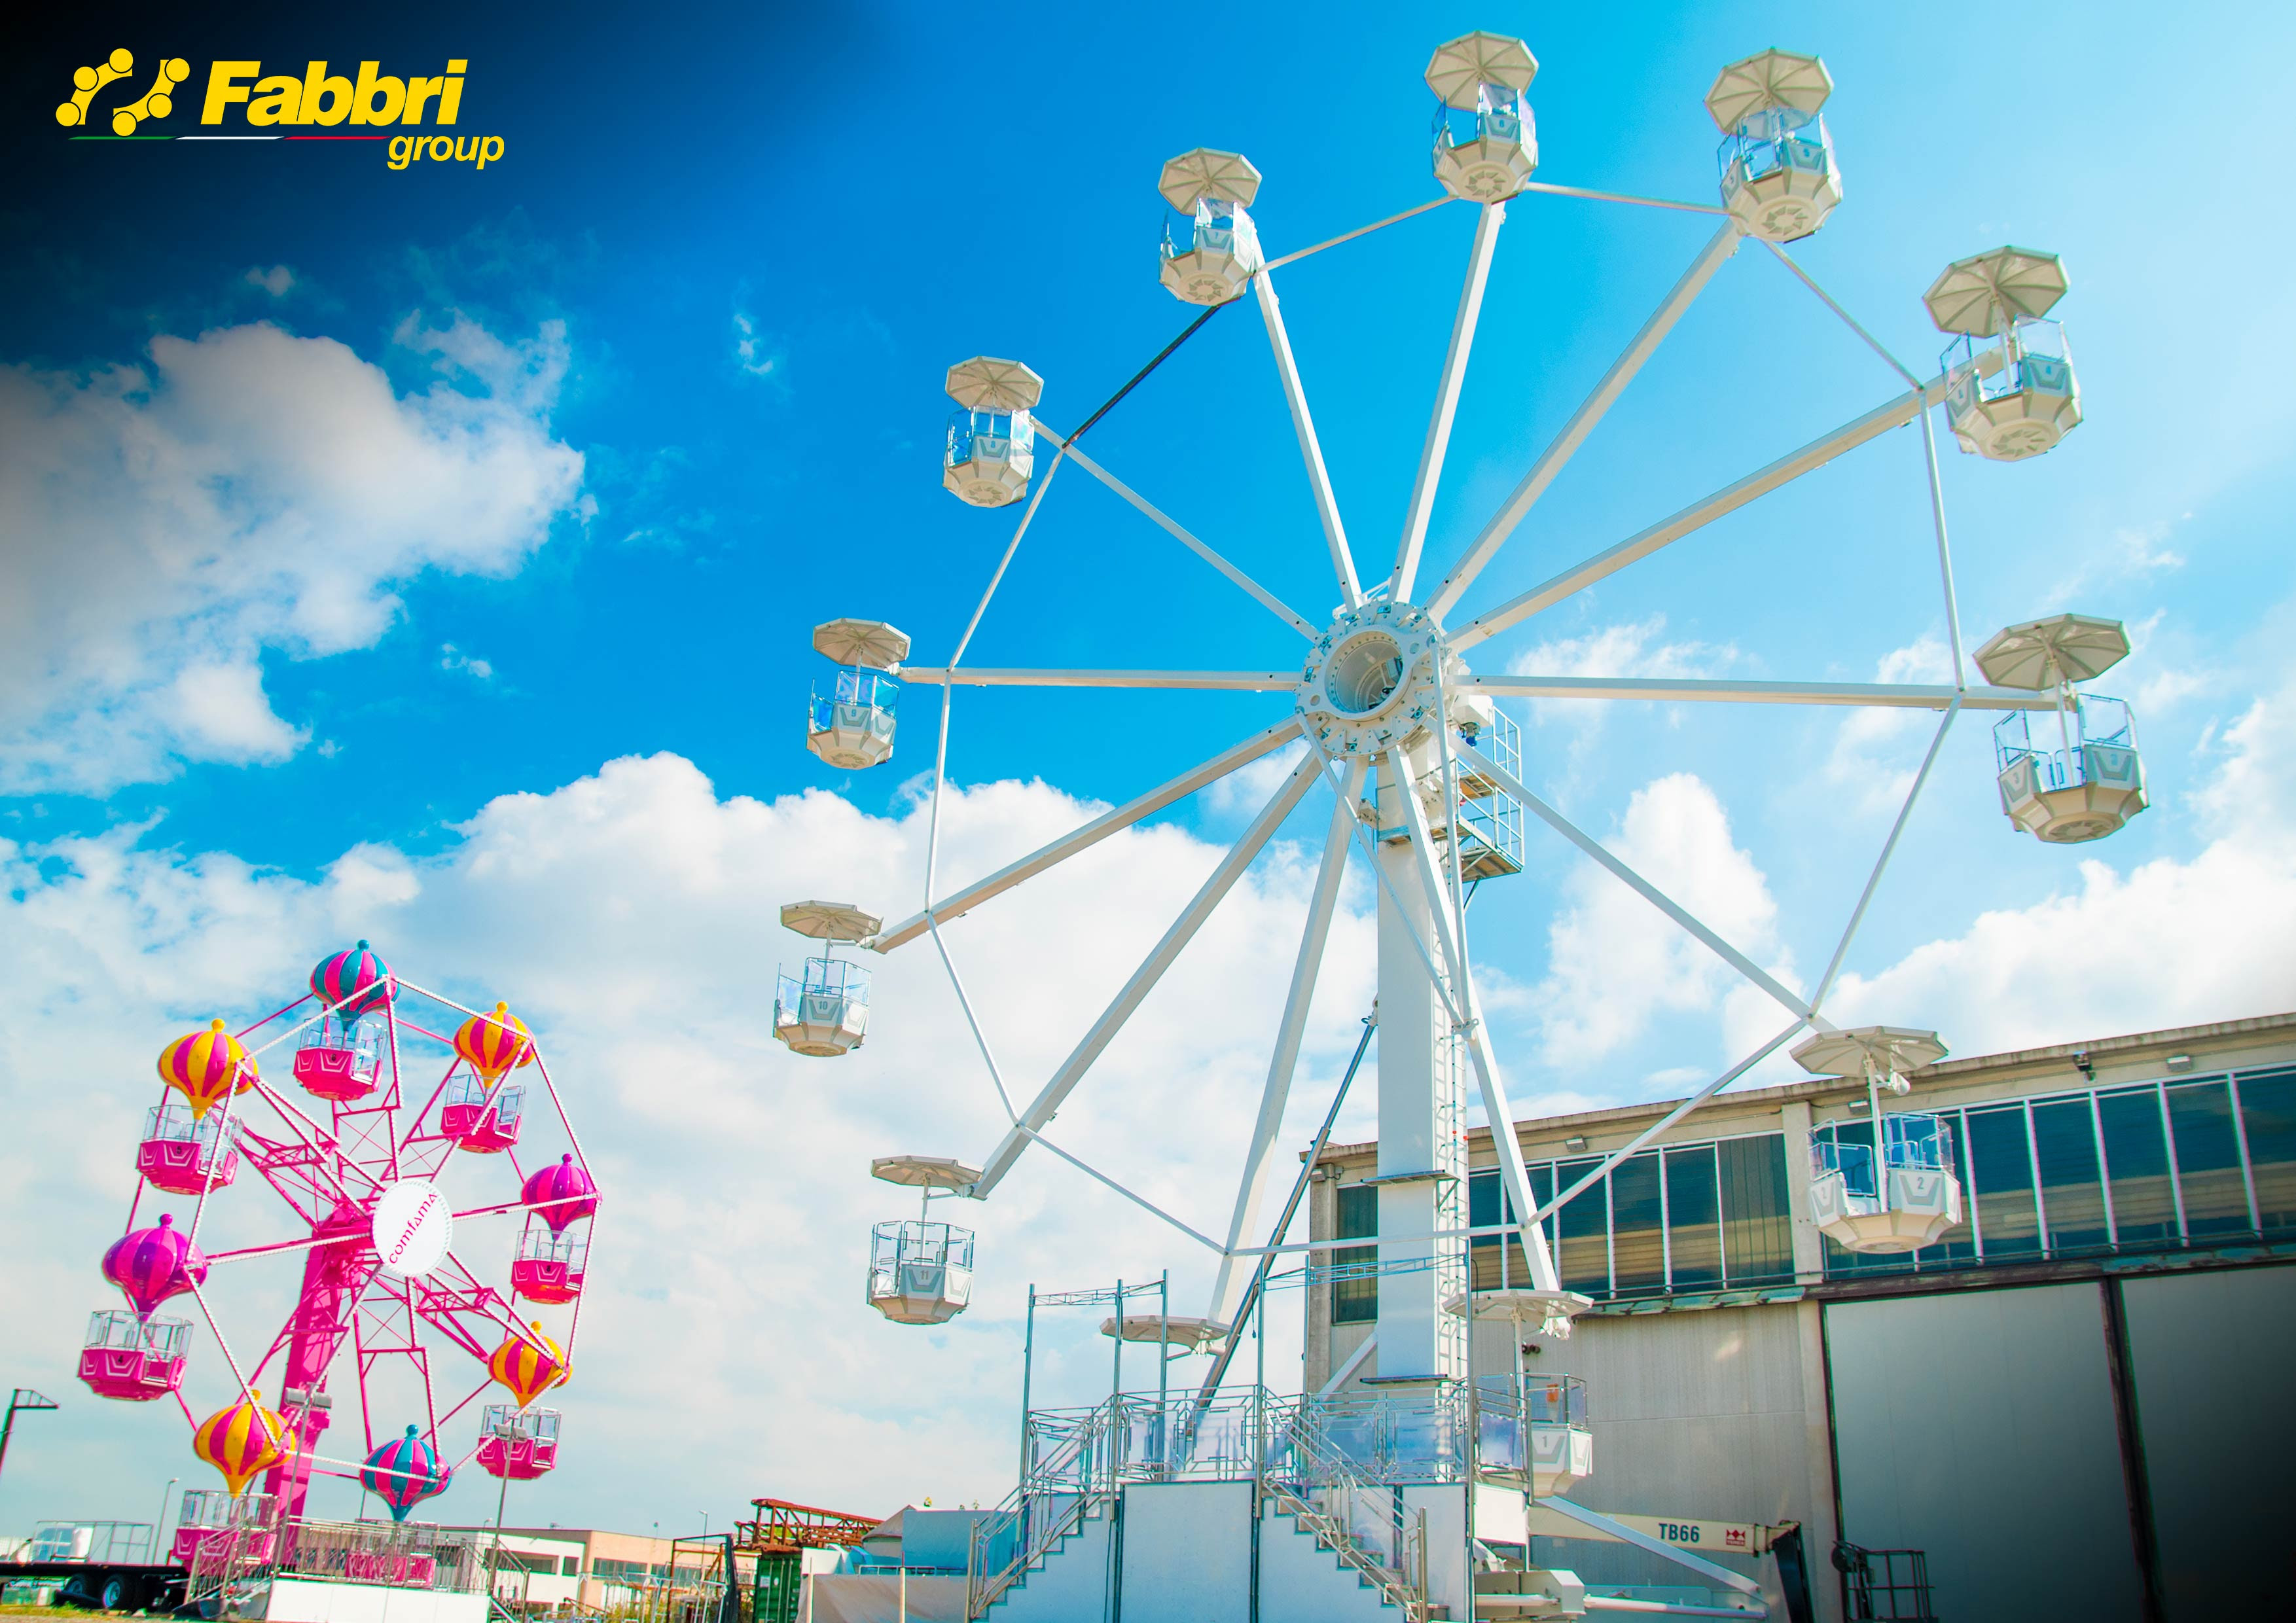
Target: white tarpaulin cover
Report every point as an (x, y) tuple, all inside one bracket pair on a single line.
[(875, 1598)]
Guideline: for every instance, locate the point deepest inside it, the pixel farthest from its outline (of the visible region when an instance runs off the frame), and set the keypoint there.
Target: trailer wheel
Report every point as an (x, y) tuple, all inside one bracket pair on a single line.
[(116, 1594)]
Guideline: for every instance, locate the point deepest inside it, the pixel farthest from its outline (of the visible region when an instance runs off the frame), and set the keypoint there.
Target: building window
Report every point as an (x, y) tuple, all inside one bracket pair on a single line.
[(1757, 1229), (570, 1566), (1495, 1265), (2268, 1114), (1637, 1226), (2132, 1124), (1584, 1259), (2073, 1201), (2208, 1158), (1356, 1302), (2000, 1174), (1694, 1218)]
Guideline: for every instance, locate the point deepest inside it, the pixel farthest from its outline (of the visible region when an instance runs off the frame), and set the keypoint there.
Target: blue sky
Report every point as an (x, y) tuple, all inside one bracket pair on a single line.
[(431, 494)]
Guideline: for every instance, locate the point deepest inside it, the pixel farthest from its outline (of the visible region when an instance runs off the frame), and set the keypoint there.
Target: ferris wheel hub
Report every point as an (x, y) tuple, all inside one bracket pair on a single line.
[(1369, 684)]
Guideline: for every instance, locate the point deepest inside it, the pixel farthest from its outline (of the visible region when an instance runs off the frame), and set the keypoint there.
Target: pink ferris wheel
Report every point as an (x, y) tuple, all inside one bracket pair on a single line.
[(399, 1100)]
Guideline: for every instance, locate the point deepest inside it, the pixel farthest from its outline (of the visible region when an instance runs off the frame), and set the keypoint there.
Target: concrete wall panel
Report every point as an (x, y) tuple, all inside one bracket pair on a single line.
[(1978, 1427), (1187, 1552), (2209, 1353)]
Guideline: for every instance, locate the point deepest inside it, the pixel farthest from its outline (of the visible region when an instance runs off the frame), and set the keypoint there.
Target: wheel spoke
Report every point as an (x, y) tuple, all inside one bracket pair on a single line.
[(1446, 404), (1091, 834), (1259, 593), (1476, 1030), (1486, 545), (976, 676), (1641, 887), (1883, 418), (1896, 695), (1285, 1059), (1144, 980), (1311, 452)]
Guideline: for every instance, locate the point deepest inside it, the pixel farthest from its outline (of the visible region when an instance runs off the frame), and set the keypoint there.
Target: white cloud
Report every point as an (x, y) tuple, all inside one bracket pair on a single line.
[(2134, 553), (628, 917), (753, 351), (1876, 752), (221, 711), (1616, 963), (276, 281), (1635, 648), (1245, 790), (246, 490), (452, 659)]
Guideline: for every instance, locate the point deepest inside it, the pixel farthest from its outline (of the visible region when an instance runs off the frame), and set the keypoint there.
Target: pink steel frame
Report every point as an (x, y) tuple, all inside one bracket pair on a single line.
[(331, 1173)]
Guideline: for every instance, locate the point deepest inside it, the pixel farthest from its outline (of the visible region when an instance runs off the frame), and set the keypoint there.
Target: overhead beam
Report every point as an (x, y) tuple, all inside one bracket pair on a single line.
[(1259, 593), (1508, 781), (1084, 839), (1512, 512), (1816, 454), (1055, 1092)]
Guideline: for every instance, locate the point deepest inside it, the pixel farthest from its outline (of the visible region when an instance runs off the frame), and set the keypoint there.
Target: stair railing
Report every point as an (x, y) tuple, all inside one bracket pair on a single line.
[(1036, 1516), (1319, 1470)]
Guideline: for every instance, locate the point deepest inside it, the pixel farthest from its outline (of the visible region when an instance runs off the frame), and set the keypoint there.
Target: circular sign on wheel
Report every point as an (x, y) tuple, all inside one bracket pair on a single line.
[(412, 1227)]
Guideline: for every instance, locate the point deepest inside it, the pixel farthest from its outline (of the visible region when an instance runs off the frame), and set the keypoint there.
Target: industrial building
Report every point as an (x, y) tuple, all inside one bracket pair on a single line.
[(2074, 1402)]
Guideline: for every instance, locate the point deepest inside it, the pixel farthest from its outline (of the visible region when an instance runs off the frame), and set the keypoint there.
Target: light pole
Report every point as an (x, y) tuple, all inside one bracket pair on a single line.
[(25, 1398), (160, 1529)]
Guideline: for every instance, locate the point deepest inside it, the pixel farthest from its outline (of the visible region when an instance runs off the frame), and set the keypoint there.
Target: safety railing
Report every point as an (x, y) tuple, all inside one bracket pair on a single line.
[(1773, 139), (2030, 356), (233, 1566), (1061, 1485)]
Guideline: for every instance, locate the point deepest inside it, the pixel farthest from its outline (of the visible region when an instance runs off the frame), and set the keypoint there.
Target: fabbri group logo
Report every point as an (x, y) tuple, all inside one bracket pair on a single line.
[(241, 102)]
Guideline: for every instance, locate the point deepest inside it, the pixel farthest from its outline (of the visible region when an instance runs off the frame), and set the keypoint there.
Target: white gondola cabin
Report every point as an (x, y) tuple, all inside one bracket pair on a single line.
[(823, 1009), (1780, 180), (991, 448), (1486, 143), (2092, 781), (852, 726), (921, 1272), (1897, 1190), (1212, 249), (2009, 388)]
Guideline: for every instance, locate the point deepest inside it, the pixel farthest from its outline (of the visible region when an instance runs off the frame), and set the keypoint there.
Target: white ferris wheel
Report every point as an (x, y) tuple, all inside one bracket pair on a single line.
[(1423, 765)]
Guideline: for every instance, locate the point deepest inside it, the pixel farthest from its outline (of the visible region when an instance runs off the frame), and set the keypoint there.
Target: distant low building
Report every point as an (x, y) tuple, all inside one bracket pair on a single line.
[(2072, 1401)]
